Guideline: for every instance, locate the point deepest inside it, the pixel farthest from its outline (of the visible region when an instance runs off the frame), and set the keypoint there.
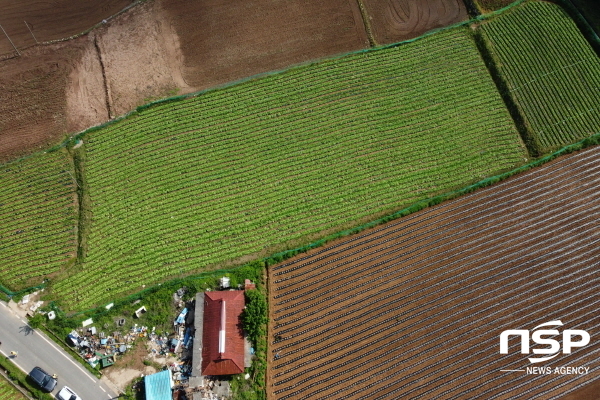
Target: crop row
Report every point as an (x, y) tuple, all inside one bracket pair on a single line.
[(551, 70), (8, 392), (183, 186), (37, 218)]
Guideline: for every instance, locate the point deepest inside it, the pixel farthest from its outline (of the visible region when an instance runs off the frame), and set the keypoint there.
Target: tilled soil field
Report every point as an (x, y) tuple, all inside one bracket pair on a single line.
[(33, 112), (24, 22), (223, 43), (414, 309), (397, 20)]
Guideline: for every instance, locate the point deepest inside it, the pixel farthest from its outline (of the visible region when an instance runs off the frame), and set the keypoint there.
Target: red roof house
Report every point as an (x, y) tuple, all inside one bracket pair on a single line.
[(222, 337)]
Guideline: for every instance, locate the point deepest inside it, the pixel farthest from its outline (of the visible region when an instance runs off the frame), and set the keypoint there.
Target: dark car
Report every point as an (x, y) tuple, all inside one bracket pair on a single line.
[(45, 381)]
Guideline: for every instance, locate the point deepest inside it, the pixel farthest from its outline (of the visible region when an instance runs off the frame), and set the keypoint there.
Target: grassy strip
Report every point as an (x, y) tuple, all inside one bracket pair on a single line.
[(18, 376), (10, 390), (490, 5), (367, 23), (587, 142), (37, 217)]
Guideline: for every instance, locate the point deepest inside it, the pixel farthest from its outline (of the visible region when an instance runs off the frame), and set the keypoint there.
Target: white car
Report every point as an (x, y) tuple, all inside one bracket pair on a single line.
[(67, 394)]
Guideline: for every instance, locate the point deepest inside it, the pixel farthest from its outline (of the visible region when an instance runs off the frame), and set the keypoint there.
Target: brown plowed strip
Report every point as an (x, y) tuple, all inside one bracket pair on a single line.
[(223, 43), (397, 20), (414, 308), (32, 97), (51, 20)]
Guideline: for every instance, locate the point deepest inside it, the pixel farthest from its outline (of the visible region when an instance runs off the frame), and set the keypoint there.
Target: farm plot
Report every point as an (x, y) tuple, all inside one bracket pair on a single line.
[(8, 392), (397, 20), (551, 71), (242, 172), (414, 309), (223, 43), (32, 98), (51, 20), (37, 218)]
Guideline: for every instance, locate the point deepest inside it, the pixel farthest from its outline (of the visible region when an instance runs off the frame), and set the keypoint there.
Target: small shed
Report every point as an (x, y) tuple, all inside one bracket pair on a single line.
[(159, 386)]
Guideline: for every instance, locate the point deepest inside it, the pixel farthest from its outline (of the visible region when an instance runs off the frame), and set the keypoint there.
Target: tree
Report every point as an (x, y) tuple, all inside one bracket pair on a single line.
[(254, 317)]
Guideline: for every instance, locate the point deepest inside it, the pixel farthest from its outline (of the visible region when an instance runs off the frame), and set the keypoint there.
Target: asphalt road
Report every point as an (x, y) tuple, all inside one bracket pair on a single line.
[(36, 349)]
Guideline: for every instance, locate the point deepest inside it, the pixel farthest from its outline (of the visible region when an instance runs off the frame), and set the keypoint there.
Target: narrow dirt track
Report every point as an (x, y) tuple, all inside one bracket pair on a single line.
[(414, 308)]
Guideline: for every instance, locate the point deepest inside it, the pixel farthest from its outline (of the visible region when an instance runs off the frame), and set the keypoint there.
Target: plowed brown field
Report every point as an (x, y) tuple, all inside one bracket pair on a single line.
[(51, 20), (414, 309), (397, 20), (223, 43), (32, 97)]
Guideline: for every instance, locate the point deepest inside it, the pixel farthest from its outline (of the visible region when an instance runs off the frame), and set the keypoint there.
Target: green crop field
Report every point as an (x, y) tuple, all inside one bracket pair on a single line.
[(37, 218), (273, 162), (551, 71), (8, 392)]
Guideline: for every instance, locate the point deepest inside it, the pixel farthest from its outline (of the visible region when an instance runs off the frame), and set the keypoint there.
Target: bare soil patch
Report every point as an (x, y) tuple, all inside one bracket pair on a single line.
[(415, 308), (51, 20), (129, 366), (397, 20), (222, 42), (32, 97), (141, 58)]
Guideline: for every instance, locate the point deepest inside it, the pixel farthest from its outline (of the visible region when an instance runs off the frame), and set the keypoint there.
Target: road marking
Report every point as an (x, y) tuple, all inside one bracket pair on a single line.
[(109, 396), (3, 305), (102, 389), (61, 351)]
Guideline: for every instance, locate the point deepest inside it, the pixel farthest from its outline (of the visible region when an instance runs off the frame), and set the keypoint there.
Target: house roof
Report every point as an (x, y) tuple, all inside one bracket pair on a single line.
[(158, 386), (222, 336)]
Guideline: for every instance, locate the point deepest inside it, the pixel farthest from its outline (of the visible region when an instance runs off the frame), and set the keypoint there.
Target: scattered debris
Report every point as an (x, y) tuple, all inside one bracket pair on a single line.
[(140, 311)]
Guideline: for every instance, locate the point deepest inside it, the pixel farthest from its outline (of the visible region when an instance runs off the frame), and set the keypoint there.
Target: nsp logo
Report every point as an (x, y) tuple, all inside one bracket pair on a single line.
[(568, 340)]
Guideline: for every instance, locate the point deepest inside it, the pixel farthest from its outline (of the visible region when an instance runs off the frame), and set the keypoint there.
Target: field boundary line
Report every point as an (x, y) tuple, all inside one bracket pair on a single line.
[(365, 17)]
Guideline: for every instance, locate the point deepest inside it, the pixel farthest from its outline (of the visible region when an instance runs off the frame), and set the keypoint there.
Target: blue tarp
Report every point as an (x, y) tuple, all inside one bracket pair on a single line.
[(158, 386), (181, 318)]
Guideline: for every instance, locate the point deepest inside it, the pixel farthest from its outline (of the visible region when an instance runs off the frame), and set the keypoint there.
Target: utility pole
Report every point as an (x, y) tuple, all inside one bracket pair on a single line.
[(13, 45)]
